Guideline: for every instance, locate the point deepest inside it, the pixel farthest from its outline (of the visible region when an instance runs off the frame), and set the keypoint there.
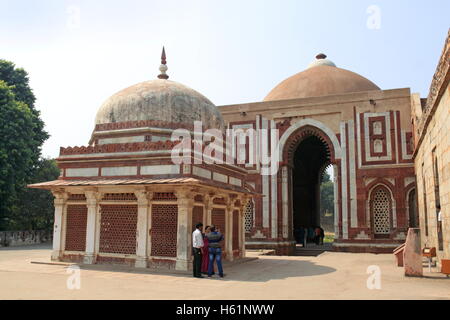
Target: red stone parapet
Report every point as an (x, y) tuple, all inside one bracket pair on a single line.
[(142, 123), (119, 147)]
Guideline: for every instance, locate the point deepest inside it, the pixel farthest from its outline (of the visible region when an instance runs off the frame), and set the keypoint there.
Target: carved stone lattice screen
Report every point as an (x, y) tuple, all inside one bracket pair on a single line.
[(119, 197), (248, 216), (197, 216), (76, 228), (164, 196), (77, 197), (381, 211), (164, 230), (218, 219), (118, 229)]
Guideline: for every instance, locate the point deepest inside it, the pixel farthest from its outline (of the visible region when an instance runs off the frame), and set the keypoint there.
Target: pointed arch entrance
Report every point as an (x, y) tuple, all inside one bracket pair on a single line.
[(308, 147)]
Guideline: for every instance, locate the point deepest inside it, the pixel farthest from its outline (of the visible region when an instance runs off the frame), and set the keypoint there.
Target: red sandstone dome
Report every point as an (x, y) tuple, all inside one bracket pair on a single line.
[(322, 78)]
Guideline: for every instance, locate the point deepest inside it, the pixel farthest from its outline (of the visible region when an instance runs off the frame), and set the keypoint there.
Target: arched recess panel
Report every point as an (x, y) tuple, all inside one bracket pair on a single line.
[(197, 216), (381, 211), (249, 216), (218, 220)]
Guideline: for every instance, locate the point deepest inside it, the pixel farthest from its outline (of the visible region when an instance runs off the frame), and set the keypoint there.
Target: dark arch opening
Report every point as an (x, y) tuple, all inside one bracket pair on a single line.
[(412, 209), (310, 160)]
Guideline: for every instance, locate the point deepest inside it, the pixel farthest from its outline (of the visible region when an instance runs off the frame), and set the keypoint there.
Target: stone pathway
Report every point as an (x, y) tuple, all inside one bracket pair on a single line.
[(330, 275)]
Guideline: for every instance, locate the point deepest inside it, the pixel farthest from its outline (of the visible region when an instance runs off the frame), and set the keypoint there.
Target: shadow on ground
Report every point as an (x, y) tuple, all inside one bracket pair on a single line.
[(268, 269), (40, 246), (253, 270), (276, 268)]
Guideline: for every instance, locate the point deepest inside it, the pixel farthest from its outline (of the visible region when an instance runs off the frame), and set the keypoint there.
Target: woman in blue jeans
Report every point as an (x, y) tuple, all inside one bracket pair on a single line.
[(215, 251)]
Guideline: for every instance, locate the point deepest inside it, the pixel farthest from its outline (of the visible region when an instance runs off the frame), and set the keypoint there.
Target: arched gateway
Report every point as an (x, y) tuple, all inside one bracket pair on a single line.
[(327, 116), (307, 148)]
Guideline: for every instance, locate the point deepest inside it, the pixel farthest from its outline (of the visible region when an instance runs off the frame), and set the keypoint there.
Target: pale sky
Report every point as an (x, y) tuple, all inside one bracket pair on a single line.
[(80, 52)]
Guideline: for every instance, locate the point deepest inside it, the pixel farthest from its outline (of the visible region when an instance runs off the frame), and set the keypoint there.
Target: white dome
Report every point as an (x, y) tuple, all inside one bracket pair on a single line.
[(160, 100)]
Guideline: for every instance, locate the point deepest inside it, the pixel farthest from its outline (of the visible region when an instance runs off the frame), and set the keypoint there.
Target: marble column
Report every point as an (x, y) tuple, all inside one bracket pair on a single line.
[(142, 227), (92, 198), (60, 204), (185, 204)]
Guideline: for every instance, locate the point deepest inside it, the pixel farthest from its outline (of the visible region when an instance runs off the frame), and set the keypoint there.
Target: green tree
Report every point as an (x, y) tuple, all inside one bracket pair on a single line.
[(22, 135), (34, 210), (17, 79), (327, 202)]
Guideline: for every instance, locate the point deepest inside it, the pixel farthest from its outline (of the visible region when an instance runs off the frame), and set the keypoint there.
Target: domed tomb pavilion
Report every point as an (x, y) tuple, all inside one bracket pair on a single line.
[(122, 199)]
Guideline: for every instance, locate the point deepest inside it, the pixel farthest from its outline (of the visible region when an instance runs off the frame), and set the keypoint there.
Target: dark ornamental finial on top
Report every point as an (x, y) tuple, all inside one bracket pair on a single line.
[(163, 67), (321, 56)]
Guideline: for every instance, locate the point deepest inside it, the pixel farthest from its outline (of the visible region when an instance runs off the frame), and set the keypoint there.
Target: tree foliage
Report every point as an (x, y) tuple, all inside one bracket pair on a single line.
[(34, 209), (327, 202), (22, 135)]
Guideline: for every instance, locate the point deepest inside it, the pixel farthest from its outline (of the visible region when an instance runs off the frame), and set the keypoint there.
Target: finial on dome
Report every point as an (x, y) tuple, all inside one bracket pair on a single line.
[(163, 67), (321, 60)]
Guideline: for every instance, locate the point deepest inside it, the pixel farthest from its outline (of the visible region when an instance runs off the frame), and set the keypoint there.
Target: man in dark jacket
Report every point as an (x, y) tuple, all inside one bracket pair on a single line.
[(215, 251)]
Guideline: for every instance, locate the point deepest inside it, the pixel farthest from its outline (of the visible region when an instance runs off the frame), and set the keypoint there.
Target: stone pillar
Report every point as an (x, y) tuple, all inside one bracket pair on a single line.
[(285, 201), (183, 233), (60, 203), (336, 200), (412, 257), (229, 228), (149, 225), (91, 225), (189, 228), (142, 227), (446, 230), (208, 210)]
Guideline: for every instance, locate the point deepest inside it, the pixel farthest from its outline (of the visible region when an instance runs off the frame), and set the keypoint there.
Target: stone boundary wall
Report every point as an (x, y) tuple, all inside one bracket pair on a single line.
[(22, 238)]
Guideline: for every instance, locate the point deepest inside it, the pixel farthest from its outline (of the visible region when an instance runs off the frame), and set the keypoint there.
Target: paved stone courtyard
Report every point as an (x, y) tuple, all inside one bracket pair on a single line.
[(24, 274)]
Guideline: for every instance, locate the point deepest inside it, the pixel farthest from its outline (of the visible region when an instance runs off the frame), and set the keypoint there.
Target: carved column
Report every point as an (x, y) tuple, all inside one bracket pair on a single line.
[(142, 227), (60, 203), (184, 215), (285, 201), (229, 228), (92, 198), (208, 210)]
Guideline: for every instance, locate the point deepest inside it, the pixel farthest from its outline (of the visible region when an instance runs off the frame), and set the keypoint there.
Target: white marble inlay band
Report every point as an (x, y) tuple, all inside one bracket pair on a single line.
[(235, 181), (119, 171), (220, 177), (196, 171), (121, 140), (82, 172), (160, 169)]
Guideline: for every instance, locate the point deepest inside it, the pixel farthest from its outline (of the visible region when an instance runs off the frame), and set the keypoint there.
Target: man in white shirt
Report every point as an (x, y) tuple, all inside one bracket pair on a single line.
[(197, 244)]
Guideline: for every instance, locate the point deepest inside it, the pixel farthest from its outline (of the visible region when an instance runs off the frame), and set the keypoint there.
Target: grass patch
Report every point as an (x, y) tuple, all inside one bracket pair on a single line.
[(329, 237)]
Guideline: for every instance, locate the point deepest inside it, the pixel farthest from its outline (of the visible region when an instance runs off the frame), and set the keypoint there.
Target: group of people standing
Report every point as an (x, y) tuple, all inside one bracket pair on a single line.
[(206, 250), (303, 235)]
